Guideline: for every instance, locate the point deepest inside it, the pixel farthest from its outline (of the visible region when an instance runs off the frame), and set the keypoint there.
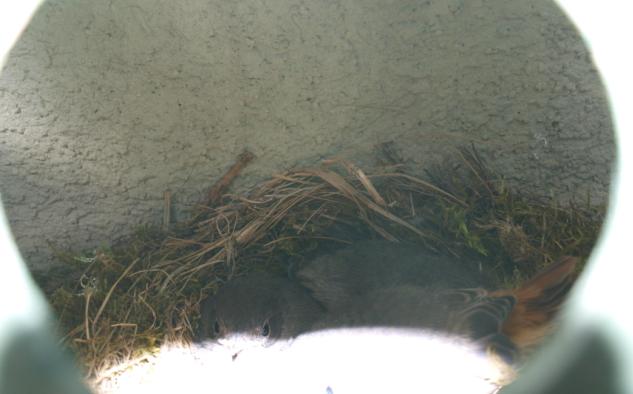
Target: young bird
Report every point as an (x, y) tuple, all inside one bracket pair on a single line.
[(377, 284), (336, 278), (269, 307), (507, 322), (261, 306)]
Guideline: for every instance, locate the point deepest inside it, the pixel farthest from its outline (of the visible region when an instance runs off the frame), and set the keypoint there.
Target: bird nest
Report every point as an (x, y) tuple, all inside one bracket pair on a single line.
[(122, 302)]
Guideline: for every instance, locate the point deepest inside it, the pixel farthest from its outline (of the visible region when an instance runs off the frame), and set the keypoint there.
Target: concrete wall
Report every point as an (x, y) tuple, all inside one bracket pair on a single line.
[(105, 104)]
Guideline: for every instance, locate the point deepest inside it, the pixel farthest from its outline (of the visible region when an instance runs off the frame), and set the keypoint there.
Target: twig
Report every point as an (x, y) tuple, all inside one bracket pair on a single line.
[(223, 183), (166, 210), (88, 294), (324, 238)]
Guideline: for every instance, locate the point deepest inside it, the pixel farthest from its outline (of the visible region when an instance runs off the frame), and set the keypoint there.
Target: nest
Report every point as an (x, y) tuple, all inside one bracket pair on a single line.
[(122, 302)]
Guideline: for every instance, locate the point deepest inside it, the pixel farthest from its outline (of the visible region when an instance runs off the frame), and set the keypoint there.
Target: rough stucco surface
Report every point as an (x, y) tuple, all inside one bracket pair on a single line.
[(106, 104)]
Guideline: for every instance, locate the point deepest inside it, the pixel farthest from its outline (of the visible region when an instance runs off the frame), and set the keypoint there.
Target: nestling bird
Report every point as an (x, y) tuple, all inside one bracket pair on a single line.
[(336, 278), (267, 306), (259, 305), (389, 285), (508, 322)]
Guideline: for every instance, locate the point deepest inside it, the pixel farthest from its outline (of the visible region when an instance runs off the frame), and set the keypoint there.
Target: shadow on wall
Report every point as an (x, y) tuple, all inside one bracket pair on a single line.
[(104, 105)]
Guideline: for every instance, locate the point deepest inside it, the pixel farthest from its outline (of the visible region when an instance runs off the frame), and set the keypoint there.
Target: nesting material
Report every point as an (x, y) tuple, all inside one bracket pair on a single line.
[(123, 302)]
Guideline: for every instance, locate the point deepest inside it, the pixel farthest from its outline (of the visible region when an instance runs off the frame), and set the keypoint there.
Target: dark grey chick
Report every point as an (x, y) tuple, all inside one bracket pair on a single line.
[(507, 321), (260, 306), (346, 274), (395, 286), (466, 313), (268, 307)]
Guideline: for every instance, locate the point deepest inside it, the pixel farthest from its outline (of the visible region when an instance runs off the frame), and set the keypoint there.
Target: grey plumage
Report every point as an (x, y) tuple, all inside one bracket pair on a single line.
[(336, 278), (369, 284), (261, 305), (469, 314), (372, 283)]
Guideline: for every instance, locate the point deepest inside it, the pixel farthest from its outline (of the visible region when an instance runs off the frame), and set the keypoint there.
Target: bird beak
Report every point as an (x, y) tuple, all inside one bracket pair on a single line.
[(236, 344)]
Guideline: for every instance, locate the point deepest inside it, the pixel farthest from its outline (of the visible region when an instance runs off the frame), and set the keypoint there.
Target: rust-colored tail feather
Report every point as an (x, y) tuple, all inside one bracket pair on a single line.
[(537, 302)]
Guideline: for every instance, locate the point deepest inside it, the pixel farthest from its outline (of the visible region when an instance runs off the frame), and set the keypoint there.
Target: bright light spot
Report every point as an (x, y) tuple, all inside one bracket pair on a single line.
[(341, 361)]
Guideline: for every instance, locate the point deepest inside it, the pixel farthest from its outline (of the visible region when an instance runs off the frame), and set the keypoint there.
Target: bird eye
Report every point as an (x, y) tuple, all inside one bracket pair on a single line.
[(216, 328), (265, 330)]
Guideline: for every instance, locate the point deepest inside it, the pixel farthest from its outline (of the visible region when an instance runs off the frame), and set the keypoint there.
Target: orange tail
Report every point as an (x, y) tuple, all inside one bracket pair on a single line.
[(537, 302)]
